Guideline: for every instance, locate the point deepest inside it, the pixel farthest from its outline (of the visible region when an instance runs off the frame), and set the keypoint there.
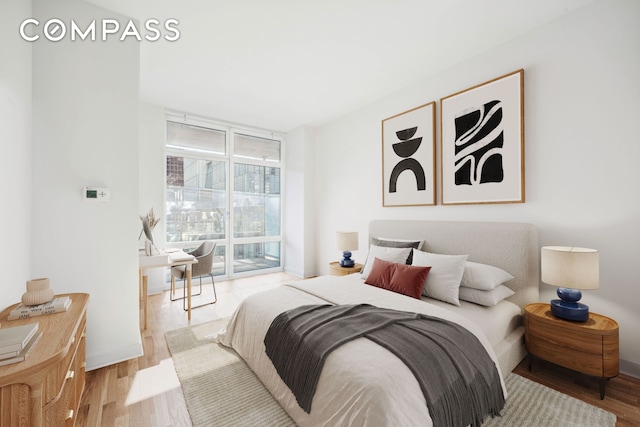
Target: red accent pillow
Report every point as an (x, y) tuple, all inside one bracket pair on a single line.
[(380, 274), (409, 279), (401, 278)]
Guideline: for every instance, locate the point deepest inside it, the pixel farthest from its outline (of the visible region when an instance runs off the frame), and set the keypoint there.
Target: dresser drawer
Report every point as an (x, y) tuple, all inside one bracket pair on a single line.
[(567, 339), (57, 376), (80, 365), (61, 412), (566, 356)]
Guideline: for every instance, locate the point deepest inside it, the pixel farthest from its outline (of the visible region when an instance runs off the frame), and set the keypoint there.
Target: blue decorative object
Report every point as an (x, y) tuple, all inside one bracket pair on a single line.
[(573, 311), (346, 260), (569, 295), (568, 307)]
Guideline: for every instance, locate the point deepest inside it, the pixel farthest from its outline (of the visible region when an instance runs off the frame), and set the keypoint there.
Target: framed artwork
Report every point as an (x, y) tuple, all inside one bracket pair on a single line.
[(482, 143), (408, 157)]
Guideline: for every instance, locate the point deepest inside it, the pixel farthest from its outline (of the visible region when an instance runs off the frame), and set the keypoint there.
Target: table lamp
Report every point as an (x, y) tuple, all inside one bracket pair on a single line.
[(571, 269), (347, 241)]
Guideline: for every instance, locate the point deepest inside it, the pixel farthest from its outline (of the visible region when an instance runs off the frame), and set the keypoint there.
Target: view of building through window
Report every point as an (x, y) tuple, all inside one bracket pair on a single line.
[(225, 186)]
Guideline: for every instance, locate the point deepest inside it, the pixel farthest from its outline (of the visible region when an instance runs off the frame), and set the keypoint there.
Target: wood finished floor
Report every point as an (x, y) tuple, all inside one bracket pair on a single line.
[(146, 392), (622, 392)]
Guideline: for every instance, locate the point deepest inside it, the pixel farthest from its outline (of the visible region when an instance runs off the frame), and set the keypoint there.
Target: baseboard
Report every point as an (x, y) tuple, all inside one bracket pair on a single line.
[(630, 368), (131, 351), (294, 272)]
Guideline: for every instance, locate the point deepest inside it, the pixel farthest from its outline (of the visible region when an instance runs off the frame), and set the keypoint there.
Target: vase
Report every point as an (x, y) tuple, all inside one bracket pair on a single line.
[(38, 292)]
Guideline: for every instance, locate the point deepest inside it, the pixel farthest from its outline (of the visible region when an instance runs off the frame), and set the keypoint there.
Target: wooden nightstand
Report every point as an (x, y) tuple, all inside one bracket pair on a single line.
[(589, 347), (337, 270)]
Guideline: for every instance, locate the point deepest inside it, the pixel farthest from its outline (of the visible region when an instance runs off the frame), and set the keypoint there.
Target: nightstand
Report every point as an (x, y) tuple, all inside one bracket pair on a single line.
[(337, 270), (590, 347)]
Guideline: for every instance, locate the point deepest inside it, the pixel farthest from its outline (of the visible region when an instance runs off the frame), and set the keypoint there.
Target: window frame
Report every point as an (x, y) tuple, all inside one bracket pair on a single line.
[(230, 160)]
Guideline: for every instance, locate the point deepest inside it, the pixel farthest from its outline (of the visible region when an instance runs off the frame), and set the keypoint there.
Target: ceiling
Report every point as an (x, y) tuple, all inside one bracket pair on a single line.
[(281, 64)]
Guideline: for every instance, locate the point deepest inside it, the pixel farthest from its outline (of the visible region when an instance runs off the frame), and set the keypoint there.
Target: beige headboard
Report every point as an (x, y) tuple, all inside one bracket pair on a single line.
[(507, 245)]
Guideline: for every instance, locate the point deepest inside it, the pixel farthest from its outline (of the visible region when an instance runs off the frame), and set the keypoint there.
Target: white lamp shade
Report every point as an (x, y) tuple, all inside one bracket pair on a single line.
[(347, 240), (570, 267)]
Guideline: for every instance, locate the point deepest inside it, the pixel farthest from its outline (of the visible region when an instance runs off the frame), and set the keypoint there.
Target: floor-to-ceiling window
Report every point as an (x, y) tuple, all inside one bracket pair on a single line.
[(224, 184)]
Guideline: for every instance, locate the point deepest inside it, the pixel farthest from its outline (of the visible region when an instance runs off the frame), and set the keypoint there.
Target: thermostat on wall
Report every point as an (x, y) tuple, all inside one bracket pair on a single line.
[(96, 193)]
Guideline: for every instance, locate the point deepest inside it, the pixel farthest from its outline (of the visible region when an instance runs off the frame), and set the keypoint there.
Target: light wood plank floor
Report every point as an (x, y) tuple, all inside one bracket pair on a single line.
[(146, 392)]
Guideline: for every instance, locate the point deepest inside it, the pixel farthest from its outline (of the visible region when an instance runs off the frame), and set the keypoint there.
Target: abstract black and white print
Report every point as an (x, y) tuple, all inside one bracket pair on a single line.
[(405, 148), (478, 145), (408, 157), (482, 143)]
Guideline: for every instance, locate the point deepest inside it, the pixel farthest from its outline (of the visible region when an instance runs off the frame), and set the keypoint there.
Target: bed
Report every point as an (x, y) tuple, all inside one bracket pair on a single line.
[(362, 383)]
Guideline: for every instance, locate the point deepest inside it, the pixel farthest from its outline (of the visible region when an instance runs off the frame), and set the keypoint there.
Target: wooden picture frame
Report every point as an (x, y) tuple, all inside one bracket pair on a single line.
[(409, 157), (482, 143)]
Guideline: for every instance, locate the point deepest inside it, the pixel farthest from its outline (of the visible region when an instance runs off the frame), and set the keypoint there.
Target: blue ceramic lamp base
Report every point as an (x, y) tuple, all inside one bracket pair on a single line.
[(568, 307), (346, 260)]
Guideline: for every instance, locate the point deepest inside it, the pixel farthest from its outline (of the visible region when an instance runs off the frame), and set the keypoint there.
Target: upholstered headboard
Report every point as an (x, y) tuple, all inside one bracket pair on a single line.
[(510, 246)]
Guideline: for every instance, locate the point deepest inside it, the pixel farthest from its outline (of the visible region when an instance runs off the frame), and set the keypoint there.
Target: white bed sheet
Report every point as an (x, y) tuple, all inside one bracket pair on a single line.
[(496, 322), (380, 390)]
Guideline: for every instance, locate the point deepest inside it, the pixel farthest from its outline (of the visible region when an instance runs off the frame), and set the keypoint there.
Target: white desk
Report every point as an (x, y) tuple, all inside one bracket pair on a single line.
[(171, 259)]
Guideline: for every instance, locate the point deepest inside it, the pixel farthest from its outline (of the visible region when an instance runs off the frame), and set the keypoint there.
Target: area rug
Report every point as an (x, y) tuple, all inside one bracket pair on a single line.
[(221, 390)]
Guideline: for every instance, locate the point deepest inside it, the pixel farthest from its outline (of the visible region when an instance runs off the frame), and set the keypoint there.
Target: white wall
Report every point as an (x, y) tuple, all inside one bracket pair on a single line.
[(299, 207), (15, 145), (151, 175), (582, 105), (85, 133)]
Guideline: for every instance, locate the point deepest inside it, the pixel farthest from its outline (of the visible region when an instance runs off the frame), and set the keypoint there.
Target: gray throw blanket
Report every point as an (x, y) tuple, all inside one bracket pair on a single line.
[(459, 380)]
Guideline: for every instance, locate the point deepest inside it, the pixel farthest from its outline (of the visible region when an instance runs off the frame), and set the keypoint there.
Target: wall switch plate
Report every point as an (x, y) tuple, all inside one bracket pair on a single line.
[(96, 194)]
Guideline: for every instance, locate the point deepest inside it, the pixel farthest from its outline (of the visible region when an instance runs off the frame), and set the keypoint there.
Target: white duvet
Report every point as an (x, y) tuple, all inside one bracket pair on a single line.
[(361, 384)]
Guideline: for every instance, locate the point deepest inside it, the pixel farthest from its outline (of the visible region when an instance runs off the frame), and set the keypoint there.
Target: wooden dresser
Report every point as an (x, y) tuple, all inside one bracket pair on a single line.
[(589, 347), (45, 389)]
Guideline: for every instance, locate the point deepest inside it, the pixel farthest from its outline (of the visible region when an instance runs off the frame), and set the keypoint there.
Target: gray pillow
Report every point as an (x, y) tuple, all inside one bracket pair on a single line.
[(398, 243)]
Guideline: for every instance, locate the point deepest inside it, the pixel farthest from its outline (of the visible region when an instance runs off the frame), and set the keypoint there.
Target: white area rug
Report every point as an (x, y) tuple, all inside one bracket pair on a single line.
[(221, 390)]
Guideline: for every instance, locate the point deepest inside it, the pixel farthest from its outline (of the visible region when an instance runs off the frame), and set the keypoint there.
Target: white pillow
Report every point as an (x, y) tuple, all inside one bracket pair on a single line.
[(443, 280), (488, 298), (397, 255), (483, 276)]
